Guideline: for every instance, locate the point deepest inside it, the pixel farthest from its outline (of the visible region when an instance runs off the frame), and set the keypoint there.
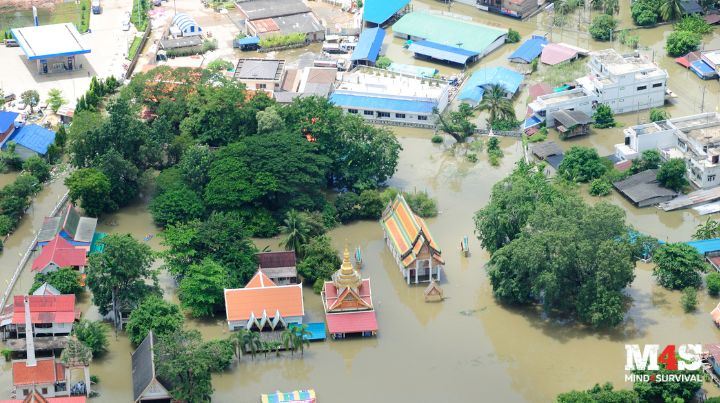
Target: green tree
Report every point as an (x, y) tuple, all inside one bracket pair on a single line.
[(678, 391), (383, 62), (713, 283), (117, 276), (269, 120), (302, 337), (371, 205), (181, 205), (645, 12), (581, 164), (38, 167), (219, 65), (30, 98), (688, 300), (693, 23), (494, 151), (602, 27), (94, 334), (496, 103), (296, 230), (194, 167), (672, 174), (347, 205), (154, 314), (124, 179), (657, 115), (421, 204), (218, 353), (678, 266), (709, 230), (513, 36), (600, 187), (603, 117), (680, 43), (599, 394), (185, 364), (319, 263), (55, 99), (457, 123), (91, 188), (670, 9), (66, 280), (202, 288), (649, 159)]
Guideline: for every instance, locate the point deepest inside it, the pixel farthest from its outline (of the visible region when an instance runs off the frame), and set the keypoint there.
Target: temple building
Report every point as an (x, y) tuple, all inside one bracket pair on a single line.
[(347, 300), (413, 247)]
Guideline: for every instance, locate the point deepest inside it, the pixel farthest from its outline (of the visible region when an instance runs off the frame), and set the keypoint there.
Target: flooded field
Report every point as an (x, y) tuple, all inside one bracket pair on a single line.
[(467, 348)]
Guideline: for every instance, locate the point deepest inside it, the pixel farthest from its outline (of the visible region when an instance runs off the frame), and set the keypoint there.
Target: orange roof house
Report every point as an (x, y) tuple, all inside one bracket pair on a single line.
[(264, 305), (43, 377), (410, 242), (347, 300)]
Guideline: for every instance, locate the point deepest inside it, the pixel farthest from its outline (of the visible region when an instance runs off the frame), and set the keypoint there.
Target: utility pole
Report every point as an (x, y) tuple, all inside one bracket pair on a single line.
[(702, 102)]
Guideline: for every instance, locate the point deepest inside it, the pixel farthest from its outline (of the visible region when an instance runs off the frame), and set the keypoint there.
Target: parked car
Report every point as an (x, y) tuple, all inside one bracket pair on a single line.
[(9, 97), (126, 22), (96, 8), (11, 43)]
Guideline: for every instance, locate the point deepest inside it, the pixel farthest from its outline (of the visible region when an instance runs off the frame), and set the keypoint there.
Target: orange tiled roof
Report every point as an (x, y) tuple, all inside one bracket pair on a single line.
[(261, 294), (408, 231), (46, 371)]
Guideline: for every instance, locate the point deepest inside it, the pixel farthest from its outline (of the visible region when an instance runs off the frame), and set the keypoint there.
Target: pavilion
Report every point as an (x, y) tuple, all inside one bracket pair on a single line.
[(347, 300), (54, 47)]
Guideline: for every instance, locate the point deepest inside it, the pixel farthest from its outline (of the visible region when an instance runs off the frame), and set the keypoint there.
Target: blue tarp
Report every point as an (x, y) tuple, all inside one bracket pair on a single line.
[(703, 70), (376, 102), (33, 137), (379, 11), (369, 44), (706, 245), (529, 50), (248, 40), (7, 119), (411, 69), (442, 52), (508, 79), (531, 121)]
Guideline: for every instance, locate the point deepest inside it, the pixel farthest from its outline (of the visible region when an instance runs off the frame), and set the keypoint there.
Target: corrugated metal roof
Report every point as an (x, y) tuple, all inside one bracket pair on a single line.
[(706, 245), (55, 40), (442, 52), (369, 44), (186, 23), (379, 11), (508, 79), (33, 137), (249, 40), (377, 102), (412, 69), (7, 119), (529, 50), (554, 53), (352, 322)]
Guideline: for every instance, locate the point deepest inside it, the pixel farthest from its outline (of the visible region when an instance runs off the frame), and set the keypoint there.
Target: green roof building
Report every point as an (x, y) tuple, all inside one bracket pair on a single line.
[(450, 31)]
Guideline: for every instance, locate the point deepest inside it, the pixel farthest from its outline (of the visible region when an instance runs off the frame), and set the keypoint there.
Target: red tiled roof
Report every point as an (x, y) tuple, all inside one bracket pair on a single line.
[(331, 295), (261, 294), (60, 252), (276, 259), (623, 165), (265, 25), (352, 322), (260, 280), (45, 309), (46, 371)]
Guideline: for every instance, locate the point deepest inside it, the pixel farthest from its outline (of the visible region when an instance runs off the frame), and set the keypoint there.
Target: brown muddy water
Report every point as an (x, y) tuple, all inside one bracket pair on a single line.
[(466, 348)]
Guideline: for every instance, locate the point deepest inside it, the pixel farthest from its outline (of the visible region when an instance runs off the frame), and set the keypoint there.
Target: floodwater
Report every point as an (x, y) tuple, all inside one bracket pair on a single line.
[(466, 348)]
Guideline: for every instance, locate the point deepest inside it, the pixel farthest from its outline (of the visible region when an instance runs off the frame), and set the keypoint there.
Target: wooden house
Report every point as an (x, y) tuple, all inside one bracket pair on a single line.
[(51, 315), (572, 123), (411, 244), (433, 292), (347, 300), (264, 305), (147, 386), (280, 267)]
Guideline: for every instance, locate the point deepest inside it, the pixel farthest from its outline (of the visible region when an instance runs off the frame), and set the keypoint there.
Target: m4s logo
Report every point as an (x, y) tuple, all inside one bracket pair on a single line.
[(649, 359)]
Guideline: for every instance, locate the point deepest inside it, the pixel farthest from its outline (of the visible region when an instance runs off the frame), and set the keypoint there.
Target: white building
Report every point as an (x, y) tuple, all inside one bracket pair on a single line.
[(625, 83), (695, 138), (387, 97)]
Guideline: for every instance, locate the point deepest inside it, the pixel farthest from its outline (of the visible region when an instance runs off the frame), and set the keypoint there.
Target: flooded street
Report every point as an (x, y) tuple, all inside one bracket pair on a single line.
[(466, 348)]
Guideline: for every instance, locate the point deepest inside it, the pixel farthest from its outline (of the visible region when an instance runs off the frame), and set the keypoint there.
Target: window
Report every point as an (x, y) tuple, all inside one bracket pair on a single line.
[(400, 115), (383, 114), (421, 117), (368, 113), (44, 391), (711, 178), (352, 111), (642, 87), (261, 86), (657, 85)]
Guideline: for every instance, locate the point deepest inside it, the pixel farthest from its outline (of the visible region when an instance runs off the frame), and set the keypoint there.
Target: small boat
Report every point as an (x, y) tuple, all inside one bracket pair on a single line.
[(358, 257), (465, 247), (670, 93), (296, 396)]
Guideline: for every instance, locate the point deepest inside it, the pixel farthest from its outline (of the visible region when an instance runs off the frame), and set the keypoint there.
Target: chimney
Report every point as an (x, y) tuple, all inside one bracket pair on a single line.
[(29, 342)]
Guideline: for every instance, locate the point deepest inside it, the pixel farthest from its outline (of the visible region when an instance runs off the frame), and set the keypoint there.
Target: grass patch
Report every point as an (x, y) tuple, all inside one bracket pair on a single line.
[(84, 16), (134, 47), (563, 72), (139, 17)]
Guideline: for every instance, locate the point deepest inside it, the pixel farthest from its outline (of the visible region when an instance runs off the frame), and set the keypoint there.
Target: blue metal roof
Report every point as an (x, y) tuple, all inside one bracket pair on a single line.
[(33, 137), (186, 23), (377, 102), (412, 69), (442, 52), (706, 245), (530, 49), (703, 70), (379, 11), (369, 44), (316, 329), (249, 40), (508, 79), (7, 119)]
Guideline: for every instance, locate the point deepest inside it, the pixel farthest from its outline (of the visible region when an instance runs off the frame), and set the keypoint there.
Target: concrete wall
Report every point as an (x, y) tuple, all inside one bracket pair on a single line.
[(394, 116), (24, 152)]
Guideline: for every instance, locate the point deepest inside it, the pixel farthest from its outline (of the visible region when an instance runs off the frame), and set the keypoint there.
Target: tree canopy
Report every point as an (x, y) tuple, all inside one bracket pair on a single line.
[(154, 314), (66, 280), (181, 360), (672, 174), (202, 288), (678, 265), (581, 164)]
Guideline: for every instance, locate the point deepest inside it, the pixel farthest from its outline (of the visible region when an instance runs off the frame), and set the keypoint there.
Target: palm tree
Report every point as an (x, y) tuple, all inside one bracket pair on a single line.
[(296, 231), (302, 337), (238, 340), (252, 341), (496, 103), (709, 230), (611, 6), (671, 9), (287, 340)]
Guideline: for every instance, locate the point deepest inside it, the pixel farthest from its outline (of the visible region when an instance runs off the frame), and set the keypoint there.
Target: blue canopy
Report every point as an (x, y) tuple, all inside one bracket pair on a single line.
[(248, 40), (529, 50), (379, 11), (369, 44), (442, 52), (33, 137), (508, 79), (382, 103), (703, 70)]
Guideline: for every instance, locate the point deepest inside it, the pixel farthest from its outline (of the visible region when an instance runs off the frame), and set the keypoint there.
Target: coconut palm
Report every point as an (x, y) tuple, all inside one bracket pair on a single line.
[(296, 231), (709, 230), (302, 337), (287, 340), (496, 103), (252, 342), (671, 9)]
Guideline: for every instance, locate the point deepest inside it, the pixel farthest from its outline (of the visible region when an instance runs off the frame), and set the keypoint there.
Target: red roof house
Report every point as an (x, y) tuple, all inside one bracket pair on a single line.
[(42, 378), (58, 311), (59, 253)]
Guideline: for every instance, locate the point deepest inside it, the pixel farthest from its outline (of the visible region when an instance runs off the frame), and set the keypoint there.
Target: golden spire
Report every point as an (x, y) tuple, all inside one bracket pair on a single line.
[(347, 276)]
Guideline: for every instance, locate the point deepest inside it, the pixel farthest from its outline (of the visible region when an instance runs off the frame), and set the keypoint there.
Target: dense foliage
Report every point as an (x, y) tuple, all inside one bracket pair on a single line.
[(672, 174), (678, 266), (604, 393), (66, 280), (581, 164), (602, 26), (319, 263), (154, 314), (712, 281), (457, 123), (645, 12), (679, 391), (370, 204), (657, 115), (679, 43), (649, 159), (201, 288), (183, 361), (689, 300), (513, 36), (93, 334), (603, 117), (600, 187)]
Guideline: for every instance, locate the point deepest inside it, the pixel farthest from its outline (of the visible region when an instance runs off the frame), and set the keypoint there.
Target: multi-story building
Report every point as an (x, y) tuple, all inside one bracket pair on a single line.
[(695, 138), (626, 83), (511, 8)]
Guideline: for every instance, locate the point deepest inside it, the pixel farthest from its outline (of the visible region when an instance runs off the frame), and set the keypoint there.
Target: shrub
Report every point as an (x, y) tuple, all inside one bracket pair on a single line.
[(134, 48), (472, 157), (600, 187), (603, 117), (383, 62), (581, 164), (713, 283), (505, 124), (695, 24), (437, 139), (7, 353), (282, 40), (541, 135), (602, 27), (421, 203), (657, 114), (689, 299), (513, 36), (672, 174), (680, 43), (645, 12)]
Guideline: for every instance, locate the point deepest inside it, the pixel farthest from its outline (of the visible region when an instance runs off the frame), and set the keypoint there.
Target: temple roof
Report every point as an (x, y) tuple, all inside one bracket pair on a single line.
[(347, 276), (407, 231), (262, 295)]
